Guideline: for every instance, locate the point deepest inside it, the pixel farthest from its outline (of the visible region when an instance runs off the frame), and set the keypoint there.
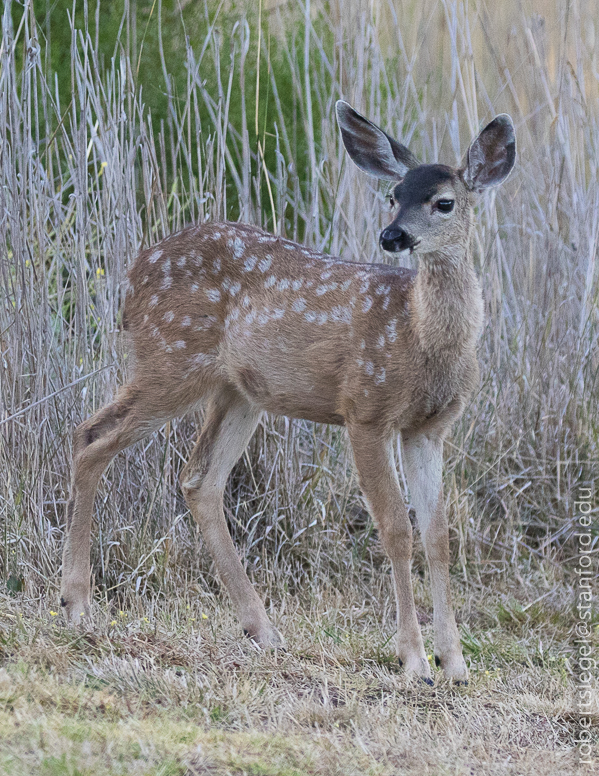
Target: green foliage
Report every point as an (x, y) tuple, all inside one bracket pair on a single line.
[(248, 68)]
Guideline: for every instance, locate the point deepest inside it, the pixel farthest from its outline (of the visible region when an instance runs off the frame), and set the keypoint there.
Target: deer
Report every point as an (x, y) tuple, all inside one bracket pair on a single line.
[(238, 321)]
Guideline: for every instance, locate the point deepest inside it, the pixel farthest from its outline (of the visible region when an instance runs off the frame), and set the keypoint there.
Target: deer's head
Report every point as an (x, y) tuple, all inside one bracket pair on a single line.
[(432, 202)]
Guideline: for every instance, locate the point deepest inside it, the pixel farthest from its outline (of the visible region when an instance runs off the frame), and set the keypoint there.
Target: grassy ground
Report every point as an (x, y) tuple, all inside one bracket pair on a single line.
[(170, 687), (86, 178)]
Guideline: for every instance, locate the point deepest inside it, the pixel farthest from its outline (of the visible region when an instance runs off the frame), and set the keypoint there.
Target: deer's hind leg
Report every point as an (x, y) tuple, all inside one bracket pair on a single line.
[(96, 441), (230, 422)]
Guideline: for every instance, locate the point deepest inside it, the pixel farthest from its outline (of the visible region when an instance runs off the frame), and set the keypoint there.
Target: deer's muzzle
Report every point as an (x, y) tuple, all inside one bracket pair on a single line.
[(395, 239)]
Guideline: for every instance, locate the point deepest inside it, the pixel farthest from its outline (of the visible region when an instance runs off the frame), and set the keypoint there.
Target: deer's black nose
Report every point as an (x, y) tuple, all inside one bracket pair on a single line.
[(396, 239)]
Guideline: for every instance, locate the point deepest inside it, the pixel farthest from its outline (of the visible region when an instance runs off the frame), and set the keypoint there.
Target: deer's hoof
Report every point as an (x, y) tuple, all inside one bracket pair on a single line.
[(266, 637), (454, 668), (76, 609)]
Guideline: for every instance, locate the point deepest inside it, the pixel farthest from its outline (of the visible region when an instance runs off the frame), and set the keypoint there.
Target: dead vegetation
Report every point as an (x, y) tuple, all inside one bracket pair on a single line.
[(85, 179)]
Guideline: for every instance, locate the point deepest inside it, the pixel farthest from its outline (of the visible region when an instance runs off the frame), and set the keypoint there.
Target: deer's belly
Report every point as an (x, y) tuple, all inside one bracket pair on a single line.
[(304, 391)]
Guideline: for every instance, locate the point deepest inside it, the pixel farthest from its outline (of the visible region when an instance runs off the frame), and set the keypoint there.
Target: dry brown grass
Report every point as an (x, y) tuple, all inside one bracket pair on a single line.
[(168, 687), (82, 185)]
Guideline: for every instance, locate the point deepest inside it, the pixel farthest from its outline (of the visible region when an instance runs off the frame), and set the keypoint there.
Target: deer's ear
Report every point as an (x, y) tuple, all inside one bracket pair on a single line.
[(491, 155), (372, 149)]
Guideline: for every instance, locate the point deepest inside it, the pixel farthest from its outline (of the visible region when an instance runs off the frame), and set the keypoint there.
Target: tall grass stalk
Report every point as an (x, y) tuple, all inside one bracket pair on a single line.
[(88, 177)]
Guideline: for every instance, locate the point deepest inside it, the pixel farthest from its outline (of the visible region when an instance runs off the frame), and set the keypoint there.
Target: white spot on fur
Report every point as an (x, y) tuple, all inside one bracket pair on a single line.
[(216, 235), (386, 303), (310, 316), (249, 263), (181, 261), (360, 361), (237, 246), (289, 246), (263, 318), (216, 266), (166, 283), (246, 301), (169, 317), (146, 316), (153, 258), (186, 321), (345, 285), (145, 280), (180, 344), (249, 318), (297, 284), (270, 281), (363, 344), (166, 267), (234, 288), (278, 313), (264, 264), (341, 314), (225, 284), (380, 343), (322, 318), (369, 368), (326, 275), (234, 314), (366, 304), (193, 288), (153, 300), (201, 359), (380, 376), (299, 305), (325, 288), (283, 285), (213, 294), (390, 329), (382, 289)]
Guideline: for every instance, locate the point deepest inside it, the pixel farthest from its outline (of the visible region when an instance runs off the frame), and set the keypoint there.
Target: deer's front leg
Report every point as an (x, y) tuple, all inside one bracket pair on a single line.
[(373, 454), (423, 457)]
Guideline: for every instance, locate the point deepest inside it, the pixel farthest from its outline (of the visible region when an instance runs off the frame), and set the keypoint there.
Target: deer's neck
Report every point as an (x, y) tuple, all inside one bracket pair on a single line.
[(447, 309)]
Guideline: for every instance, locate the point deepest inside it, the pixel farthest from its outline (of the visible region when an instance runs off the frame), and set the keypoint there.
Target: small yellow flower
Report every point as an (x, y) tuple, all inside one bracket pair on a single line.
[(192, 619), (27, 263), (204, 616), (113, 622), (188, 606), (53, 614), (429, 658), (102, 168), (100, 272), (487, 673), (81, 614), (122, 613), (145, 619)]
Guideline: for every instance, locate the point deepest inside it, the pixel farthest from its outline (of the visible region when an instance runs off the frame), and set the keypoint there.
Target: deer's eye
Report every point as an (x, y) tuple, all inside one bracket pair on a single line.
[(445, 205), (391, 202)]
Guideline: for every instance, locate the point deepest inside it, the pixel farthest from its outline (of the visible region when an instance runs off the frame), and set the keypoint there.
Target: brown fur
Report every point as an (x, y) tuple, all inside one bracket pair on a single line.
[(231, 316)]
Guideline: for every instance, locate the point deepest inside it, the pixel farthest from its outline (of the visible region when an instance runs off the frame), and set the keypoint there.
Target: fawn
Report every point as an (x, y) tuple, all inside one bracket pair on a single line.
[(242, 321)]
